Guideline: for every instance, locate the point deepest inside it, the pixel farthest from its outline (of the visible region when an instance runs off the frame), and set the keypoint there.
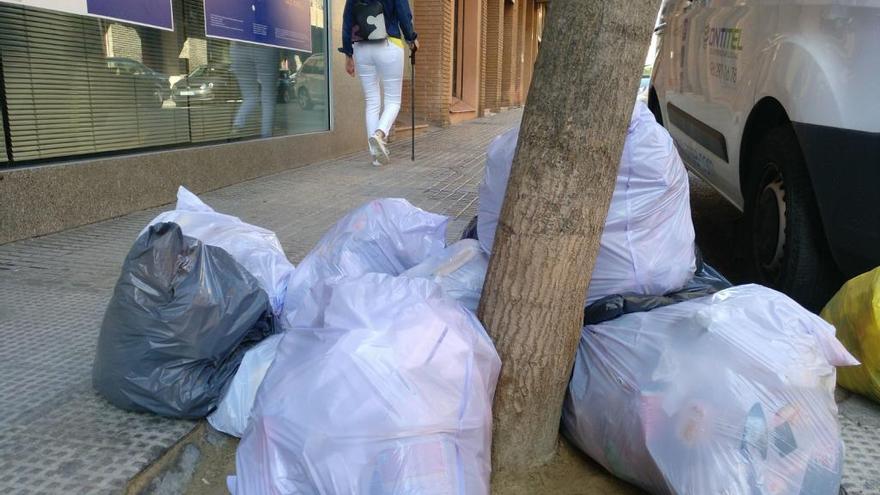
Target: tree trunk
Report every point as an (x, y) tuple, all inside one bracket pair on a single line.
[(585, 83)]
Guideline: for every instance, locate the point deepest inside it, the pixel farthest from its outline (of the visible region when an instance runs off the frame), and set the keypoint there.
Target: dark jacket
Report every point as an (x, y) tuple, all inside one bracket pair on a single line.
[(398, 20)]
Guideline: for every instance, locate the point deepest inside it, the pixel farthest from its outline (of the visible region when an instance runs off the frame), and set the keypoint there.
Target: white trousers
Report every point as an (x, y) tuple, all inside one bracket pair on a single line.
[(256, 70), (377, 62)]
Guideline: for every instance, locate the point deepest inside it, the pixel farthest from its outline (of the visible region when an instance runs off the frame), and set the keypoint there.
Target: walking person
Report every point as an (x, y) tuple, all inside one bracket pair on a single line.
[(373, 35)]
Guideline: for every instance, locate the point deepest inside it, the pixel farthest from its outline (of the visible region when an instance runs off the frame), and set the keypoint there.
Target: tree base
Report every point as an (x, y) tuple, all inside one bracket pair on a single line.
[(570, 472)]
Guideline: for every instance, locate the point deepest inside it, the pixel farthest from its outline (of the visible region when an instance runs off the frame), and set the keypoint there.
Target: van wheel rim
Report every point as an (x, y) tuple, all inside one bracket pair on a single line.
[(770, 224)]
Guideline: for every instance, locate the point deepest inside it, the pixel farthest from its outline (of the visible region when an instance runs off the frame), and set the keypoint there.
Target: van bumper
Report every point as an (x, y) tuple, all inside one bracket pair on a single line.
[(844, 167)]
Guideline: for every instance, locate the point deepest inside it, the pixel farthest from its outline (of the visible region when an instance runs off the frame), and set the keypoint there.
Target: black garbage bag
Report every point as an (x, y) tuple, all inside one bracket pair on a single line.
[(706, 281), (178, 324)]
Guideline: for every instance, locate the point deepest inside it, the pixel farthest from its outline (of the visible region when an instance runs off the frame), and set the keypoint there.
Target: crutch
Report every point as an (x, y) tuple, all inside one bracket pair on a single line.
[(412, 97)]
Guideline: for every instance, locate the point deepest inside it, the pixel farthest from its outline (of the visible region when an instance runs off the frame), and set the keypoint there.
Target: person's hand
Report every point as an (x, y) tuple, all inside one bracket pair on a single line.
[(349, 66), (414, 46)]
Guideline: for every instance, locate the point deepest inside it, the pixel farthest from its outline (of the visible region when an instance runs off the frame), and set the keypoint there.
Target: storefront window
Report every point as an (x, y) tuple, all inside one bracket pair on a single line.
[(75, 85)]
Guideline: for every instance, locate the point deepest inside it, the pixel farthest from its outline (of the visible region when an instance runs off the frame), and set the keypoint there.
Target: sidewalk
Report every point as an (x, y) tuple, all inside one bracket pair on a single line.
[(58, 436)]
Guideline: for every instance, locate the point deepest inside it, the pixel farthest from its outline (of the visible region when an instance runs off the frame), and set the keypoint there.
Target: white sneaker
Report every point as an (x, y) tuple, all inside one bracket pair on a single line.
[(376, 162), (377, 141)]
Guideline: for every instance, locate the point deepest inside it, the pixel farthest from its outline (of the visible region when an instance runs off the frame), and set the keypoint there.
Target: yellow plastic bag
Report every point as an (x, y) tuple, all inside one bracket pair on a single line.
[(855, 311)]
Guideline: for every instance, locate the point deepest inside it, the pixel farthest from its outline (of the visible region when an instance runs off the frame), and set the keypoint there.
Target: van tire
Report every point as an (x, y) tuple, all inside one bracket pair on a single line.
[(786, 241), (654, 105)]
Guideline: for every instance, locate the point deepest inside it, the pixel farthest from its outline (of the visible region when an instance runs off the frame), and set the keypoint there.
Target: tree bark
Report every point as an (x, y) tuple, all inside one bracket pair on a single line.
[(574, 125)]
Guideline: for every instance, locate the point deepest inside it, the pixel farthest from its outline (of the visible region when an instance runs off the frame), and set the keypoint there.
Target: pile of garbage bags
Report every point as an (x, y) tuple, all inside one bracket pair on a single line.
[(731, 393), (382, 379), (647, 246), (684, 384), (855, 311), (391, 394), (365, 370), (387, 236)]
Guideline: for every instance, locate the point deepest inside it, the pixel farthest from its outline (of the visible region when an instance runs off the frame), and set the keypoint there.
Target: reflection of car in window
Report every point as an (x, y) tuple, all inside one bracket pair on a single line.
[(205, 83), (310, 82), (142, 75), (775, 105)]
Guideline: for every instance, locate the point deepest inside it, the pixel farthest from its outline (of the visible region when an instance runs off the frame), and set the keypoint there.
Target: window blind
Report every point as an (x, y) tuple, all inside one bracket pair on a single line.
[(66, 96), (78, 85)]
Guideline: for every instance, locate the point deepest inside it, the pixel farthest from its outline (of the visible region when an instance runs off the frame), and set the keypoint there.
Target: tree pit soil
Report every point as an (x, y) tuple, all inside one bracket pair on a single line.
[(570, 472)]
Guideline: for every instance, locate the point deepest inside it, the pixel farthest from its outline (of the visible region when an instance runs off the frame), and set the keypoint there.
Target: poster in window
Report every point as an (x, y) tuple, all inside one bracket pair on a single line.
[(278, 23), (150, 13)]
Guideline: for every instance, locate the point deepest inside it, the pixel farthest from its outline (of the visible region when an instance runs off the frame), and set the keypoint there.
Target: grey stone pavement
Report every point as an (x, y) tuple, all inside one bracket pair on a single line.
[(58, 436)]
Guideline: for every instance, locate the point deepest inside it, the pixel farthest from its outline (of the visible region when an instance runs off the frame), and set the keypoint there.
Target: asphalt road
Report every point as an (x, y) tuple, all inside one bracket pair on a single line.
[(719, 228)]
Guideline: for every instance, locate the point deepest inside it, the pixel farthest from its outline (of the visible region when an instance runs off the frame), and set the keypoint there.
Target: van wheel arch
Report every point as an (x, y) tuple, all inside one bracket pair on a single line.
[(765, 116), (786, 238), (654, 105)]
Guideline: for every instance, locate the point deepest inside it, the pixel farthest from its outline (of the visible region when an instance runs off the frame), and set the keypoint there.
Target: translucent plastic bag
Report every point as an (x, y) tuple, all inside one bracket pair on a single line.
[(392, 396), (732, 393), (855, 311), (460, 270), (234, 410), (181, 317), (647, 246), (383, 236), (255, 248)]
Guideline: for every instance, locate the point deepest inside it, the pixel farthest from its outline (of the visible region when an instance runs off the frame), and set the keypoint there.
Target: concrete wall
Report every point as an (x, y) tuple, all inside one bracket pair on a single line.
[(43, 199)]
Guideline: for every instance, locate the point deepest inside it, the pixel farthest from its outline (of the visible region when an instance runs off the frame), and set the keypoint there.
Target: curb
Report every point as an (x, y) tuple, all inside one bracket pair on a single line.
[(197, 464)]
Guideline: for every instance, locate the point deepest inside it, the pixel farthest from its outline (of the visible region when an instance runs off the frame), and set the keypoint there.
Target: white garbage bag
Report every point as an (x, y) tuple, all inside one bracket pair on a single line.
[(460, 270), (732, 393), (499, 160), (392, 396), (647, 246), (231, 415), (255, 248), (383, 236)]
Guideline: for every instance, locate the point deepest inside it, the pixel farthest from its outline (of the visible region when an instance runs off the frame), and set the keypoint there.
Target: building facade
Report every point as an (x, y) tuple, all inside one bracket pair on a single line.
[(102, 116), (477, 56)]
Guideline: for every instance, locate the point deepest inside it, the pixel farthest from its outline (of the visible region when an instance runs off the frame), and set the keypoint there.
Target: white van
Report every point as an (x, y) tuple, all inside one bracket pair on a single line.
[(777, 105)]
